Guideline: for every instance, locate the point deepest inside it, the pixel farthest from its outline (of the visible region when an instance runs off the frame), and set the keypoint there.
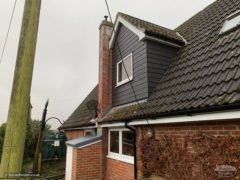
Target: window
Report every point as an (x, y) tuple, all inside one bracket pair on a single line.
[(89, 132), (114, 141), (122, 73), (121, 145), (231, 22), (127, 143)]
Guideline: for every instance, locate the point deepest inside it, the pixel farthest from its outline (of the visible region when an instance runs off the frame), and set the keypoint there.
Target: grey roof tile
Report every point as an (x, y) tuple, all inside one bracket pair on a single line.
[(153, 29), (82, 115)]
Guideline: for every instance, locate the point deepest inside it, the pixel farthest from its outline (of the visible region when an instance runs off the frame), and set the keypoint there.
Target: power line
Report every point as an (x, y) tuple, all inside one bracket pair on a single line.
[(134, 93), (9, 27)]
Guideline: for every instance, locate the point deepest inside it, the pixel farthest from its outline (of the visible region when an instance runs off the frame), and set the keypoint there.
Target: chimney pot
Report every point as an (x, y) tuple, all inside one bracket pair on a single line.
[(105, 17)]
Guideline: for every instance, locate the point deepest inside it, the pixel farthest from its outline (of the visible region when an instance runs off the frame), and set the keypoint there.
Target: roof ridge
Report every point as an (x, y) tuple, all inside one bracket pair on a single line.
[(152, 29), (124, 14)]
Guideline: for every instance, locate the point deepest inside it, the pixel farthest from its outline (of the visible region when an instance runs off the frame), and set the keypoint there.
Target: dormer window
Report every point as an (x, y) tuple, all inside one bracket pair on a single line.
[(231, 22), (125, 75)]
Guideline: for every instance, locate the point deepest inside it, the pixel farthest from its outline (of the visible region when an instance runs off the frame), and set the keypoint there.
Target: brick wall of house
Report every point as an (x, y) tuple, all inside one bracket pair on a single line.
[(181, 131), (118, 170), (73, 134), (104, 152), (86, 162)]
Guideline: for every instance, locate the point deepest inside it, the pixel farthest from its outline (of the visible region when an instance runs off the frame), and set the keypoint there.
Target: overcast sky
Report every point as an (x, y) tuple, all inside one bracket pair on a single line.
[(66, 61)]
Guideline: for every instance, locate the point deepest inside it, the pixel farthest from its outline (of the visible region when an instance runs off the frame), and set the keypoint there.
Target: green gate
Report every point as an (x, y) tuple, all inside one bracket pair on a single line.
[(53, 146)]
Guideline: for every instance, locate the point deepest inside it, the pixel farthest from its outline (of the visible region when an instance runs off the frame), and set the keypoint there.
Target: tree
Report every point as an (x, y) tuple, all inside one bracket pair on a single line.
[(31, 137), (3, 129), (2, 133)]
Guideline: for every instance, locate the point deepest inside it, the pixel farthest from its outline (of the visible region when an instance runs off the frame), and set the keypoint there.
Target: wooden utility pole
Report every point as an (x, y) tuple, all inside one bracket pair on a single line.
[(14, 141)]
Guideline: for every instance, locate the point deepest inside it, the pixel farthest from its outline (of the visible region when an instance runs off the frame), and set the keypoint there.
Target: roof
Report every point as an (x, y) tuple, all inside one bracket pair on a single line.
[(83, 114), (84, 141), (146, 29), (205, 73)]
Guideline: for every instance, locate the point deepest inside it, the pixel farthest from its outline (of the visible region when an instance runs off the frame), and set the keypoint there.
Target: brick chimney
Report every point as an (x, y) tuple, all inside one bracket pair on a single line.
[(105, 68)]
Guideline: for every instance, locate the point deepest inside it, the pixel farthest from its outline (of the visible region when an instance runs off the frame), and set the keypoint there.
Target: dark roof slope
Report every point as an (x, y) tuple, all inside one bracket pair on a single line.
[(205, 73), (82, 115), (153, 29)]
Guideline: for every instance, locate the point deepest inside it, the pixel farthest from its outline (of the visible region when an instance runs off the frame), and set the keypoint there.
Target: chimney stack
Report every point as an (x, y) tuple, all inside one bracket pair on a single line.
[(105, 68)]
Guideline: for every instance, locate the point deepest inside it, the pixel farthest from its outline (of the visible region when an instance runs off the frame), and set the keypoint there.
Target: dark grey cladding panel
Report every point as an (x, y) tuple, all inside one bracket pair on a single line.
[(129, 43), (150, 61), (159, 58)]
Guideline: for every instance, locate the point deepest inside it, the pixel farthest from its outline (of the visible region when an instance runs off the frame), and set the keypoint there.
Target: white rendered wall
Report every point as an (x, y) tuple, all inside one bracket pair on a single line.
[(68, 174)]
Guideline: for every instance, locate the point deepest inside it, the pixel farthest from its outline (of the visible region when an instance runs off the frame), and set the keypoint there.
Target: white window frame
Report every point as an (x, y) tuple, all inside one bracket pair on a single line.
[(130, 75), (119, 156), (229, 18)]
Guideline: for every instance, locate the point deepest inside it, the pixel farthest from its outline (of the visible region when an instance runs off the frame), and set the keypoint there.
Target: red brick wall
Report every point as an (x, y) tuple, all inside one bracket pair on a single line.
[(223, 128), (104, 152), (118, 170), (74, 164), (73, 134), (86, 162)]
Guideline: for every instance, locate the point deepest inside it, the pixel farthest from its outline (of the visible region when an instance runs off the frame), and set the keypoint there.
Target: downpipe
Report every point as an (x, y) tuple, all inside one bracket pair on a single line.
[(134, 148)]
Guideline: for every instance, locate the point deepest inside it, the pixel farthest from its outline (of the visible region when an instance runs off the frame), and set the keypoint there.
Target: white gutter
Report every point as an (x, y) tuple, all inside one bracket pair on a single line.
[(223, 115), (161, 41), (87, 127), (80, 128), (184, 40), (113, 125)]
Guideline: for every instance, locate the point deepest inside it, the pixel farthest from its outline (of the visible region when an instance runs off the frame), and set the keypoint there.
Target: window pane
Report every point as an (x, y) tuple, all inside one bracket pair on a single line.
[(123, 72), (128, 66), (127, 144), (231, 22), (89, 133), (114, 141), (120, 72)]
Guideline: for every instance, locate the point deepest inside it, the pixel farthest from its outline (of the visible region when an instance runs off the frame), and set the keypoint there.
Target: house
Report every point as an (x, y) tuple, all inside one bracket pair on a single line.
[(82, 121), (168, 100), (80, 125)]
